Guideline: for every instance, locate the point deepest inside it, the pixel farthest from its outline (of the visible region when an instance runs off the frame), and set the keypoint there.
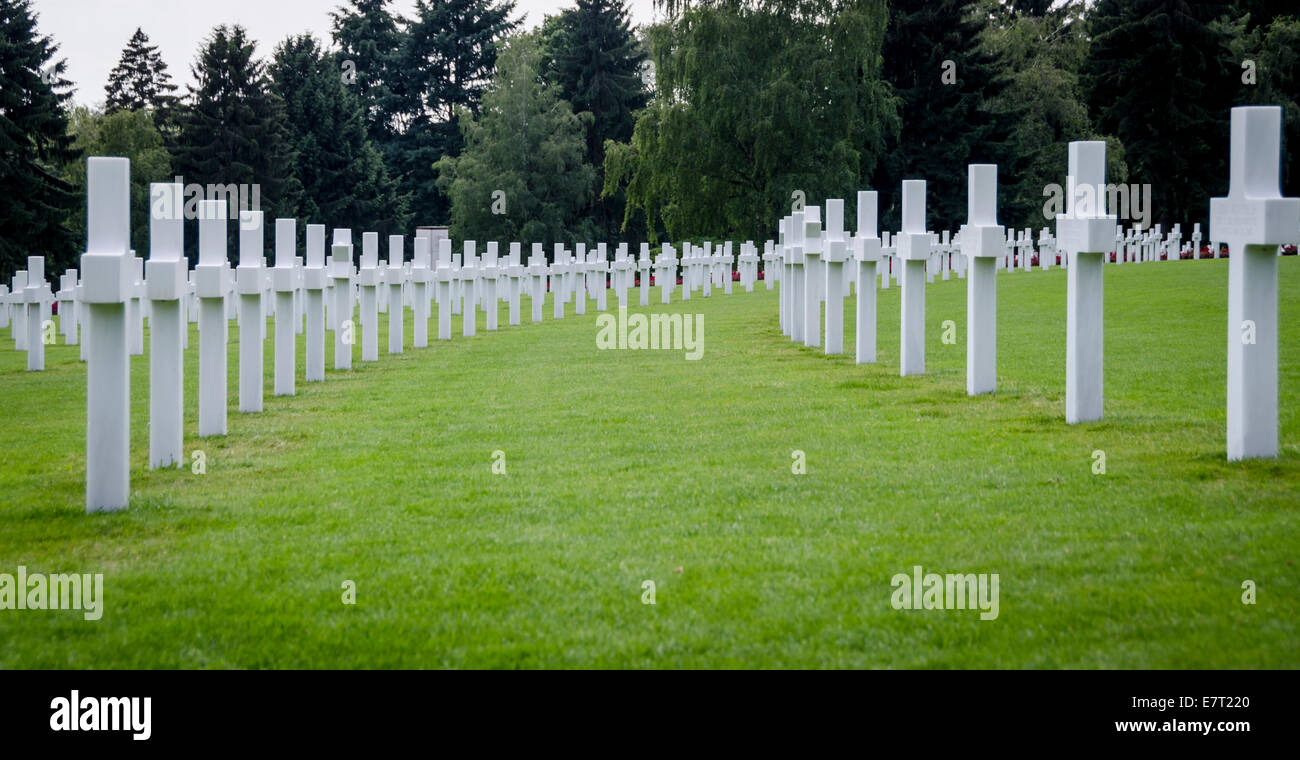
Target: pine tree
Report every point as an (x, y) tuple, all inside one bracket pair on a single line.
[(1158, 78), (344, 180), (140, 79), (525, 150), (233, 127), (596, 62), (369, 42), (34, 146), (935, 59), (447, 58), (597, 65)]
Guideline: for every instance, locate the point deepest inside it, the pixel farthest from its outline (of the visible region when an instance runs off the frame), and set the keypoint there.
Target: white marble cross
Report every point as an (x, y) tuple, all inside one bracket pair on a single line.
[(248, 281), (1253, 220), (1084, 234), (835, 254), (395, 275), (284, 284), (866, 251), (981, 240), (444, 275), (166, 271), (643, 264), (537, 272), (105, 289), (342, 277), (913, 250), (812, 253), (314, 280)]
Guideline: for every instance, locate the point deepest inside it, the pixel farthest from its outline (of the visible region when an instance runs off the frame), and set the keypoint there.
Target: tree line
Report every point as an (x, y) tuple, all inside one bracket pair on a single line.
[(708, 123)]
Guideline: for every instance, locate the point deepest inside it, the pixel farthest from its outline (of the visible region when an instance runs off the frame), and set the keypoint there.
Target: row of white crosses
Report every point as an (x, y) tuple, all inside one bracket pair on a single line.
[(116, 288), (285, 286), (1254, 221)]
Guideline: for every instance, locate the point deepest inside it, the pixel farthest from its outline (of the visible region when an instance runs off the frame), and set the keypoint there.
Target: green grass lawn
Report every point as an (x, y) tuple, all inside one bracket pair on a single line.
[(628, 466)]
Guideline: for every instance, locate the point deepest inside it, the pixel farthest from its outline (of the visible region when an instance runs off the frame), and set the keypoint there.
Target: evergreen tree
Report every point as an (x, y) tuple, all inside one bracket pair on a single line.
[(936, 61), (345, 183), (233, 128), (596, 61), (1043, 103), (369, 42), (448, 55), (1159, 78), (140, 79), (34, 147), (523, 174)]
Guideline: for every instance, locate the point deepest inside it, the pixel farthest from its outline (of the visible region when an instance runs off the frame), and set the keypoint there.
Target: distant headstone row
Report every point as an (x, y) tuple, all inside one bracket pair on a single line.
[(1254, 221), (307, 295)]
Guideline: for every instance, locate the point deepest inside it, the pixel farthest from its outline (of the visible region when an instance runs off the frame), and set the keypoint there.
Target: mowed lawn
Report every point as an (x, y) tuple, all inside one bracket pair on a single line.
[(631, 466)]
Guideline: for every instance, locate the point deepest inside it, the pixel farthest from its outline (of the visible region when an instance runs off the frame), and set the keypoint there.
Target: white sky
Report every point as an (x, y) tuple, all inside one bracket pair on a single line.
[(92, 33)]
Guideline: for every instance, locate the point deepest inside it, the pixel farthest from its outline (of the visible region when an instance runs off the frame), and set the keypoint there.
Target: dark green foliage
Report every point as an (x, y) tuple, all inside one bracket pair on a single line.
[(591, 55), (140, 79), (944, 75), (233, 128), (1158, 77), (344, 181), (34, 147), (755, 103)]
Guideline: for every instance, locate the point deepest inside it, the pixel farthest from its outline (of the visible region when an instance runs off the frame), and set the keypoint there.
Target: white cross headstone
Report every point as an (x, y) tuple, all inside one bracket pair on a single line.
[(444, 275), (284, 283), (867, 249), (212, 281), (913, 249), (340, 273), (166, 272), (314, 303), (597, 266), (812, 271), (665, 275), (395, 272), (32, 306), (981, 240), (106, 288), (622, 267), (368, 282), (537, 271), (515, 271), (421, 269), (1083, 235), (643, 267), (248, 278), (1196, 241), (559, 271), (836, 254), (1254, 220), (469, 283), (488, 269)]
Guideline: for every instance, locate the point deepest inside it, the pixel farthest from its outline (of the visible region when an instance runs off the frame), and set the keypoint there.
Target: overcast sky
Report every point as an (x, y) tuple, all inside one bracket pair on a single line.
[(92, 33)]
